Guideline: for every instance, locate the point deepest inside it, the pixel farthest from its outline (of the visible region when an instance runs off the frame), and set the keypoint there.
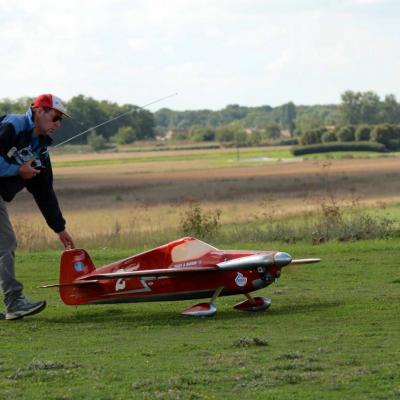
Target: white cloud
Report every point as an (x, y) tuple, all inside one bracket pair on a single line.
[(214, 52)]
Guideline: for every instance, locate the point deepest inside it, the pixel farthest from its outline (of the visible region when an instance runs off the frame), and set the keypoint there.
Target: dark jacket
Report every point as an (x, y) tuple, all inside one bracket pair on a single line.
[(16, 131)]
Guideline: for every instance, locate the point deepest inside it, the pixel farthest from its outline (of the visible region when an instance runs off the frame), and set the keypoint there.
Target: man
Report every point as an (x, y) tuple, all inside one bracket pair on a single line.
[(25, 163)]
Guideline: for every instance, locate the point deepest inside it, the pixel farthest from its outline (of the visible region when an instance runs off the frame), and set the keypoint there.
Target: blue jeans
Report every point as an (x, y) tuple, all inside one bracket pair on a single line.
[(10, 287)]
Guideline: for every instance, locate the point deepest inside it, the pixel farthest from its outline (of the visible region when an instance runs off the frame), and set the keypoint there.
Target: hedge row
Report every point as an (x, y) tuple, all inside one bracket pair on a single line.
[(338, 146)]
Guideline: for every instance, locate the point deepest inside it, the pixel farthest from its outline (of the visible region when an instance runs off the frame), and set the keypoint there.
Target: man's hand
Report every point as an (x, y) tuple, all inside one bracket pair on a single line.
[(66, 240), (26, 171)]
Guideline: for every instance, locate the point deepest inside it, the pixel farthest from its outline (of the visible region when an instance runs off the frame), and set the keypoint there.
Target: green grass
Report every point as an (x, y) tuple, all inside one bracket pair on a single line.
[(224, 157), (332, 333)]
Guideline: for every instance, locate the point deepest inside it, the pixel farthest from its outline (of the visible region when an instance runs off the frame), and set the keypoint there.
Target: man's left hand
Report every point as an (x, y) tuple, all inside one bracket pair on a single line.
[(66, 240)]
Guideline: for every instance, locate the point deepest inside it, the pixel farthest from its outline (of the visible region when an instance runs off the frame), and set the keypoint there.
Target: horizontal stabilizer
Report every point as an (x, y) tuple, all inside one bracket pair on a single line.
[(306, 261), (74, 283), (148, 272)]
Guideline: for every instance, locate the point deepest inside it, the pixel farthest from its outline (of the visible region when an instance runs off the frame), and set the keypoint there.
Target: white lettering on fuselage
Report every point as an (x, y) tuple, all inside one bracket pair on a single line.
[(187, 264)]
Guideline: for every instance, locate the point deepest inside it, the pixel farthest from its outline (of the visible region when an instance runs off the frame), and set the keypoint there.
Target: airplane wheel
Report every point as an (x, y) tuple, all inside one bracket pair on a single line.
[(253, 304)]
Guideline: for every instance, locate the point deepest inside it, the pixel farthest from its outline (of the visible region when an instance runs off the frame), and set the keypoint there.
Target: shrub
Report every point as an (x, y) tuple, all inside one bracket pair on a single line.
[(328, 136), (196, 222), (312, 136), (363, 133), (345, 134), (385, 133), (125, 135), (96, 141), (328, 147)]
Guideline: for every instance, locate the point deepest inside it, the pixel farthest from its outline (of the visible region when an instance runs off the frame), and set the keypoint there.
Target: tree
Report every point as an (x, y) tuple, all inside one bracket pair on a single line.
[(288, 116), (307, 122), (350, 108), (125, 135), (358, 107), (272, 131), (390, 110)]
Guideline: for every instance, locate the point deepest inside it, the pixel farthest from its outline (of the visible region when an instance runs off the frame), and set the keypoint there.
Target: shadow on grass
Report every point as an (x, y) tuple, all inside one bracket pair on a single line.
[(143, 317)]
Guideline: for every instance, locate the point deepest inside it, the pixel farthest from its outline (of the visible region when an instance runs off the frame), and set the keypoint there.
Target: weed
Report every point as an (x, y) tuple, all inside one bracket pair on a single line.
[(196, 222)]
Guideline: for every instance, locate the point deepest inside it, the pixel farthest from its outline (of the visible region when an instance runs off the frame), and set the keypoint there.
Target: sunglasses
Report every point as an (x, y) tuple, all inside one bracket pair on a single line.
[(57, 118)]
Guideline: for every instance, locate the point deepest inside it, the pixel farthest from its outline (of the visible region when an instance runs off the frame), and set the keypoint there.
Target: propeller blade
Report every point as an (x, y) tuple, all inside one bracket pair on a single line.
[(305, 261)]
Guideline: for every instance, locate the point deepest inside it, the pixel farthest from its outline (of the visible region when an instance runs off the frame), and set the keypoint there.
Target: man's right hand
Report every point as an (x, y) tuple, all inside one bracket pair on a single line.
[(26, 171)]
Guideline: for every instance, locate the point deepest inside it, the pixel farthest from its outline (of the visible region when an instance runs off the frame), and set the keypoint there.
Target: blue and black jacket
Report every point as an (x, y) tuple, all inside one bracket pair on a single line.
[(16, 133)]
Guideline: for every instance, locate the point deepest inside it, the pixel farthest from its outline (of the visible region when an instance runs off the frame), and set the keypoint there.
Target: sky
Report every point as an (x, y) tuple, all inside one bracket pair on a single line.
[(212, 52)]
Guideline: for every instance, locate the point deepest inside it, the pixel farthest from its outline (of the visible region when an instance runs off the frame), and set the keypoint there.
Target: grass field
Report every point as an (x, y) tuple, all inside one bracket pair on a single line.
[(332, 332)]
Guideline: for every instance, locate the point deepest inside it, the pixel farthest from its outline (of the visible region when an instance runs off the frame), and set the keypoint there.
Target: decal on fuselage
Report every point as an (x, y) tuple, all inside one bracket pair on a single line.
[(240, 280), (145, 286)]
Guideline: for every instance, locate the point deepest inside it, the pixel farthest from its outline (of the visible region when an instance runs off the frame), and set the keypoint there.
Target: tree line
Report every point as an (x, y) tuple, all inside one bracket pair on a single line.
[(233, 124)]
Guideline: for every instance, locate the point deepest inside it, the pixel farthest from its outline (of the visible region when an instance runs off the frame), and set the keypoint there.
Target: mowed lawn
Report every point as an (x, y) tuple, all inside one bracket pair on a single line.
[(332, 332)]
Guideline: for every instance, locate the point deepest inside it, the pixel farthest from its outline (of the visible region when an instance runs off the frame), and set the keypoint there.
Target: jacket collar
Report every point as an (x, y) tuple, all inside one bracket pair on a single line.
[(28, 120)]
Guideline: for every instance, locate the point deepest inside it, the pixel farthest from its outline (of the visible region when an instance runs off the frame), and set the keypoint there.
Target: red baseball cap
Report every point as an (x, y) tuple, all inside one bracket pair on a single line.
[(50, 101)]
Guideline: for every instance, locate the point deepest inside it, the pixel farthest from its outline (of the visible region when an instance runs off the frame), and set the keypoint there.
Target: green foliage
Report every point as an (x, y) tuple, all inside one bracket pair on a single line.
[(312, 136), (180, 135), (363, 133), (201, 134), (345, 134), (233, 133), (272, 131), (328, 136), (96, 141), (339, 146), (87, 112), (287, 116), (125, 135), (393, 145), (307, 122), (196, 222), (385, 133)]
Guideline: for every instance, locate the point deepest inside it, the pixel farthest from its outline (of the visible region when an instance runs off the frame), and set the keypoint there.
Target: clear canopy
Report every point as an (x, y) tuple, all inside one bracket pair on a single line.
[(190, 250)]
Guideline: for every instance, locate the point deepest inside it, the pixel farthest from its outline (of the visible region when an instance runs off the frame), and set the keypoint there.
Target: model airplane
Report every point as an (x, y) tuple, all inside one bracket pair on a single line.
[(184, 269)]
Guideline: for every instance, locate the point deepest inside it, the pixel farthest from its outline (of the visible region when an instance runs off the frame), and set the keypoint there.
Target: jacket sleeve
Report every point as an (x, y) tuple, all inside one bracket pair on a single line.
[(7, 134), (42, 190)]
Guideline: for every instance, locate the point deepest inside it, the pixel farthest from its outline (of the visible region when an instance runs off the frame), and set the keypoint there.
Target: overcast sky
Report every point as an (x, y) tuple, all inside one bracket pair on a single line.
[(213, 52)]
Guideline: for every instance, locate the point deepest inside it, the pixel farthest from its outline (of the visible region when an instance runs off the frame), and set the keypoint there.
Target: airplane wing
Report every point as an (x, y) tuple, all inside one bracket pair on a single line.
[(147, 272)]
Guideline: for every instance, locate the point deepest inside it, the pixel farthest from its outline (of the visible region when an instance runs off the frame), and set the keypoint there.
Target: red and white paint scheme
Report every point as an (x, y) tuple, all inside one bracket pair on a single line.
[(184, 269)]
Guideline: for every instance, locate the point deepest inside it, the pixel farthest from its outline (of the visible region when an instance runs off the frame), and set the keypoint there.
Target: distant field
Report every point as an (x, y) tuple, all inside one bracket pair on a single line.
[(332, 333), (148, 197), (219, 157)]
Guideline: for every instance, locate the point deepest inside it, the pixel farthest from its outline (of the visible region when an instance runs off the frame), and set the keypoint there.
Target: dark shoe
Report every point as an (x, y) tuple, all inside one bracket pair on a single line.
[(2, 316), (22, 307)]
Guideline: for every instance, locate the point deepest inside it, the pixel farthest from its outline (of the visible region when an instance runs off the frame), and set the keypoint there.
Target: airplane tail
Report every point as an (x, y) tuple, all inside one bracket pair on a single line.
[(74, 264)]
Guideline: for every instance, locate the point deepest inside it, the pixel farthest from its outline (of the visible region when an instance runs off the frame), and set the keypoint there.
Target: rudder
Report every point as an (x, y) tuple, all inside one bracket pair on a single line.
[(74, 264)]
